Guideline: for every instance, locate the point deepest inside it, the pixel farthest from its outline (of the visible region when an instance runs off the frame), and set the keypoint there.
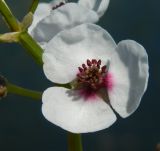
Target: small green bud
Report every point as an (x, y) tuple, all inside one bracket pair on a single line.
[(10, 37), (27, 21), (3, 87), (158, 147)]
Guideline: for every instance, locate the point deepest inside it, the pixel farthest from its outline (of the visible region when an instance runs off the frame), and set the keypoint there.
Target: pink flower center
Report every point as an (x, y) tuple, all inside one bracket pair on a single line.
[(92, 78), (92, 75), (59, 5)]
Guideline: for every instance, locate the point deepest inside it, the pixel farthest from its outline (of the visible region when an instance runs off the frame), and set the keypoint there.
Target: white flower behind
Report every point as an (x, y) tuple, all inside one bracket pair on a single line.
[(51, 18), (42, 11), (104, 75), (99, 6)]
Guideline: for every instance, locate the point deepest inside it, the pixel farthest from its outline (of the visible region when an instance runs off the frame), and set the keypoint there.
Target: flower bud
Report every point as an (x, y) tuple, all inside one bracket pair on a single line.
[(3, 87), (27, 21), (158, 147), (10, 37)]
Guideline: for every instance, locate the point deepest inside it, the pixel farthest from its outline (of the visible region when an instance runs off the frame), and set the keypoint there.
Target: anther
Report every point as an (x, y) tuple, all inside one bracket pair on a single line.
[(89, 63), (94, 61), (80, 69), (103, 69), (98, 66), (99, 62), (84, 66), (59, 5)]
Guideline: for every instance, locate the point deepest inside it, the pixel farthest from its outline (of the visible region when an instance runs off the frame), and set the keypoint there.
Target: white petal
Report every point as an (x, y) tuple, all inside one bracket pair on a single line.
[(66, 109), (64, 17), (71, 48), (41, 12), (129, 68), (99, 6)]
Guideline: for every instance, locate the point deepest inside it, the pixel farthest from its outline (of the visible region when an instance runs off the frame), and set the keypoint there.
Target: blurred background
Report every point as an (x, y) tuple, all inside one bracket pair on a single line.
[(22, 125)]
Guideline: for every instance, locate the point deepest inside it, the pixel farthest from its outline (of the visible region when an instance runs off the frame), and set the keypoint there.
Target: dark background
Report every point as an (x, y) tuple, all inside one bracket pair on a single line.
[(22, 126)]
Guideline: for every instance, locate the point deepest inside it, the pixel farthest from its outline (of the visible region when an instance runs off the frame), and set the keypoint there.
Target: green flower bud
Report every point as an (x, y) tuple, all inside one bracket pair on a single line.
[(3, 87)]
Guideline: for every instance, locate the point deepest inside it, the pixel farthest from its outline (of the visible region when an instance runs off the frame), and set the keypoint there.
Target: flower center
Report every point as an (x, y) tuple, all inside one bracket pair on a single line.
[(92, 75), (58, 5)]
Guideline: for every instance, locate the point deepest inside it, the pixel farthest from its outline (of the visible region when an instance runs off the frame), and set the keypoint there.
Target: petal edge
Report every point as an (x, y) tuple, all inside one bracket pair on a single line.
[(131, 77)]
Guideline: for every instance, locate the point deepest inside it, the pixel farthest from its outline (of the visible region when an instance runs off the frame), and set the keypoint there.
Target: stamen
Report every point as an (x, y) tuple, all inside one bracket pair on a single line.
[(92, 75), (94, 61), (80, 69), (58, 5), (99, 62), (61, 3), (104, 69), (89, 63), (84, 66)]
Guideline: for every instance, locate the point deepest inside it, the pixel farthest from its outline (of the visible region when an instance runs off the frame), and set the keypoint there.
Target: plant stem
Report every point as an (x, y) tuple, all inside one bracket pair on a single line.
[(33, 6), (14, 89), (31, 46), (25, 39), (74, 142), (7, 14)]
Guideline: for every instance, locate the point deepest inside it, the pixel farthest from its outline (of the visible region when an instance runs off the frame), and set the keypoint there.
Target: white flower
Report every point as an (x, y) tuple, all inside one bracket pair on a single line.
[(49, 21), (104, 76), (42, 11)]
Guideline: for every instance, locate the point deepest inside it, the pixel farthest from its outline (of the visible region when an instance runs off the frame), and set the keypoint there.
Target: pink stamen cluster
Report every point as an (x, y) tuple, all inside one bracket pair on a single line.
[(92, 75), (59, 5)]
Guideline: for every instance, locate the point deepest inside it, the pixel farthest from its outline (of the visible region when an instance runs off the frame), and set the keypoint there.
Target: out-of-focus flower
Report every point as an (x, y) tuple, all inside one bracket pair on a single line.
[(51, 18), (43, 10), (105, 76)]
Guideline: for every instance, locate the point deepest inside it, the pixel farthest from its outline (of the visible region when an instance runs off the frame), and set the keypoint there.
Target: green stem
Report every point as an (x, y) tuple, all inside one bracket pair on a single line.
[(7, 14), (74, 142), (25, 39), (31, 46), (24, 92), (33, 6)]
